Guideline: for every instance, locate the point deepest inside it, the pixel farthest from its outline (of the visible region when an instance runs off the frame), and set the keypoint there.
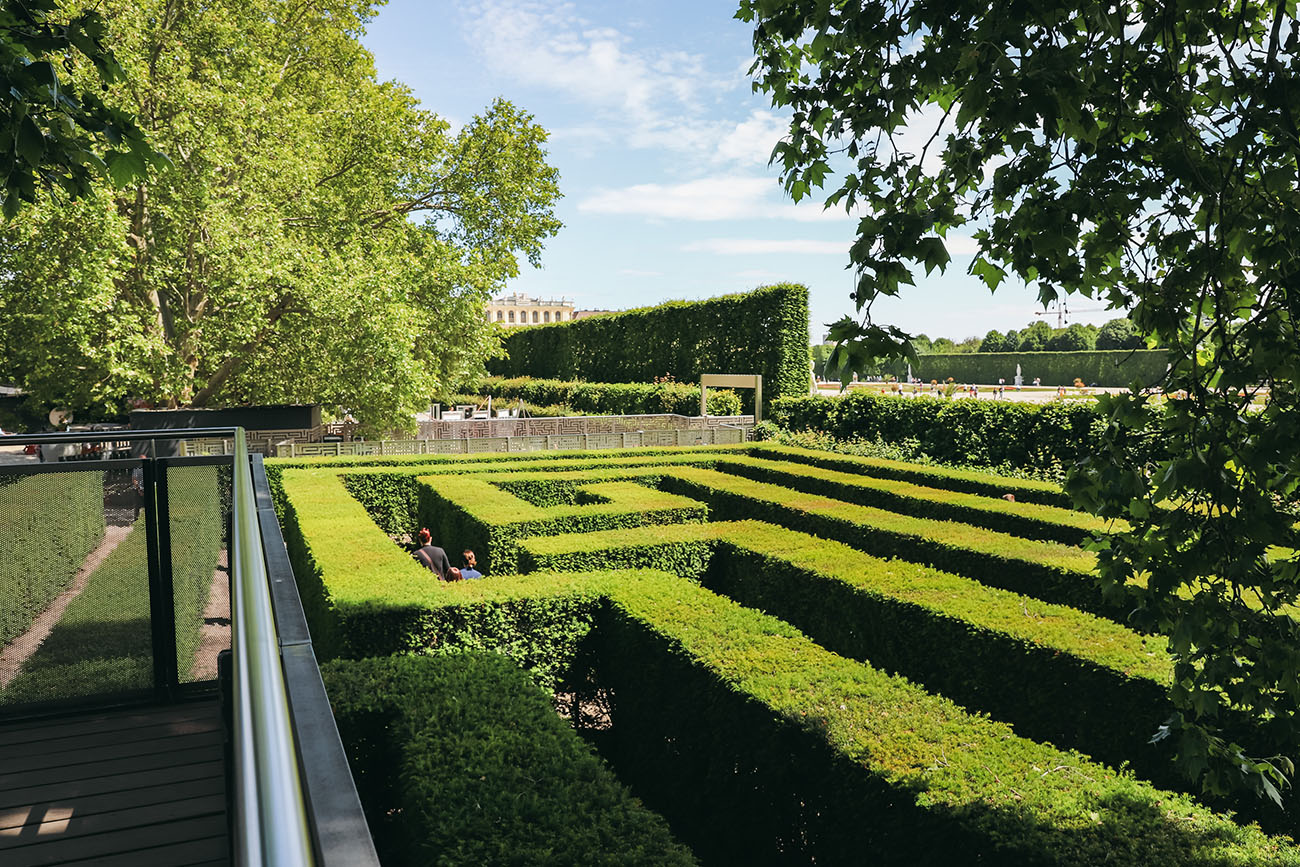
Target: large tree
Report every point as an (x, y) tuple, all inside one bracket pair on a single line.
[(320, 236), (1140, 152)]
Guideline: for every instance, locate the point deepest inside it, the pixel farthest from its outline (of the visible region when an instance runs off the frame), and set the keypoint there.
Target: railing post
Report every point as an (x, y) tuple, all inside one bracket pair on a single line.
[(162, 598)]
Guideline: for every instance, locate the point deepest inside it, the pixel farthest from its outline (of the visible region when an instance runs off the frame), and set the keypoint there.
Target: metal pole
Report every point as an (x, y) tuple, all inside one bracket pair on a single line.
[(271, 821)]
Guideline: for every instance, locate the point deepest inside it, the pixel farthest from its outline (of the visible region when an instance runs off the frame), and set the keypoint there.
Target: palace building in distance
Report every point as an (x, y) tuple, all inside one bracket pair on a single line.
[(519, 309)]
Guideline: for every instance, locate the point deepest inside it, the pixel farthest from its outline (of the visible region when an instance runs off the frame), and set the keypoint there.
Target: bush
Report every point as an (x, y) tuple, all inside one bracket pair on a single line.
[(1029, 520), (49, 523), (555, 397), (763, 746), (987, 433), (763, 332), (479, 515), (461, 759), (1081, 681), (1045, 570)]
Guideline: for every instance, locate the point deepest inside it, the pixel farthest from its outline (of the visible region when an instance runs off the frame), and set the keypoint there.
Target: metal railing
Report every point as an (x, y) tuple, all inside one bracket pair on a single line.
[(271, 815), (294, 799)]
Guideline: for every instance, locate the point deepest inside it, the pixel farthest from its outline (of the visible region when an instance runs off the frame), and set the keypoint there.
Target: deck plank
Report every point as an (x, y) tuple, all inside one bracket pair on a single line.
[(137, 786), (44, 729), (89, 736)]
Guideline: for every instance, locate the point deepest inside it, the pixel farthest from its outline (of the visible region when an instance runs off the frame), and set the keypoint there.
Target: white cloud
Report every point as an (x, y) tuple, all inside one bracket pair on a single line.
[(751, 141), (637, 272), (639, 95), (721, 197), (758, 246), (654, 93)]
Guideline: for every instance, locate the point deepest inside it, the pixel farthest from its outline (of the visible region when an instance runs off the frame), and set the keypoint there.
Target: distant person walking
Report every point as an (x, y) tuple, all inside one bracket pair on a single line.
[(430, 556)]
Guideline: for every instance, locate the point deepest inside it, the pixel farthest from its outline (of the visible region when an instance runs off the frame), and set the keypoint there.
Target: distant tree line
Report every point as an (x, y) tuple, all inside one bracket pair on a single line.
[(1041, 337), (1036, 337)]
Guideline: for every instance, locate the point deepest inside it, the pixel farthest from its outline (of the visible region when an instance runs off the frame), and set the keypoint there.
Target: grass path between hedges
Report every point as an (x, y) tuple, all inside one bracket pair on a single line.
[(17, 652)]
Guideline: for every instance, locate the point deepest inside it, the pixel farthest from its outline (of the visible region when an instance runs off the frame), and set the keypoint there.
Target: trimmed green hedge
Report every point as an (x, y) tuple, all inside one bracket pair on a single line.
[(1044, 570), (764, 331), (1029, 520), (361, 592), (1109, 368), (611, 398), (49, 523), (102, 643), (981, 432), (198, 503), (1081, 681), (760, 745), (461, 760), (969, 481), (470, 512)]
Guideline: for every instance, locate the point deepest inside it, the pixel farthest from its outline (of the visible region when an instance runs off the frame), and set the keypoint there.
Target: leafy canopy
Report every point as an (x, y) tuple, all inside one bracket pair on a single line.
[(52, 136), (1144, 153), (320, 238)]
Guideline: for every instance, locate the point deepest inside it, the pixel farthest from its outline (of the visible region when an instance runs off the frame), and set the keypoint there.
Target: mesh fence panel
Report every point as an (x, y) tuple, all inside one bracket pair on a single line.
[(74, 585), (199, 507)]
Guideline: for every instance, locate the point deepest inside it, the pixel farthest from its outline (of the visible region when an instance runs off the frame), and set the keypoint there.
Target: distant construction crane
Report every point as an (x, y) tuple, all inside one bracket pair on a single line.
[(1062, 312)]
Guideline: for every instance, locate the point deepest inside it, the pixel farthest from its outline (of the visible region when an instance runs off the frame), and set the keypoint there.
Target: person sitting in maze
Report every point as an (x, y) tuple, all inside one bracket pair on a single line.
[(470, 569), (430, 556)]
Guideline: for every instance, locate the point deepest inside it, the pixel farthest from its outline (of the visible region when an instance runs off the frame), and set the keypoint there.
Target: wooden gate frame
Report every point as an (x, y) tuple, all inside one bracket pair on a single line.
[(733, 380)]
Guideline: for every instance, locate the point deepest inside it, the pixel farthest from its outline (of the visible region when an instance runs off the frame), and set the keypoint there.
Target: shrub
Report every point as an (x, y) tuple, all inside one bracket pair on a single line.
[(987, 433), (1048, 523), (556, 397), (482, 516), (763, 332), (462, 760), (761, 745), (49, 523)]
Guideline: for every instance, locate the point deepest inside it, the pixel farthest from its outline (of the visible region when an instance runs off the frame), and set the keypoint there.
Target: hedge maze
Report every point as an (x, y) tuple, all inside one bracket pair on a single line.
[(792, 657)]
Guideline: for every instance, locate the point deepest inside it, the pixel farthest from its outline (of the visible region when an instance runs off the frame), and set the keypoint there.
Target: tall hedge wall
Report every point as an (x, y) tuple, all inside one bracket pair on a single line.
[(764, 331), (1104, 367)]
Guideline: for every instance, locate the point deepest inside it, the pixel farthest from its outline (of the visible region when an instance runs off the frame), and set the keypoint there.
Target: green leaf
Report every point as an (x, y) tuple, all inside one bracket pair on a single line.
[(30, 142)]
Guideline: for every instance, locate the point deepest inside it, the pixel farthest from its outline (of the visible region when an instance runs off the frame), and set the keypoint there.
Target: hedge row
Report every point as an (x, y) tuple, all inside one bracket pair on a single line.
[(968, 481), (763, 332), (612, 398), (102, 642), (49, 522), (460, 759), (468, 511), (546, 486), (1110, 368), (1029, 520), (981, 432), (761, 745), (1082, 681), (1044, 570), (476, 511), (198, 504)]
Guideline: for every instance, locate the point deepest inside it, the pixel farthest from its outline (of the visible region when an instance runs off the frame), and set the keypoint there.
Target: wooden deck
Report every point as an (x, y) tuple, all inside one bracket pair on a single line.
[(138, 787)]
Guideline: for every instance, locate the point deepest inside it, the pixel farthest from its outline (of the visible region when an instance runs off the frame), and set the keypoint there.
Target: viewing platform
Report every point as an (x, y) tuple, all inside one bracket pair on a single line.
[(160, 700)]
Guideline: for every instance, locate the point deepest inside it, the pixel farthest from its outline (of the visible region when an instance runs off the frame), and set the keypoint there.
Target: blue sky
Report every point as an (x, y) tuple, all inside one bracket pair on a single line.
[(662, 149)]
